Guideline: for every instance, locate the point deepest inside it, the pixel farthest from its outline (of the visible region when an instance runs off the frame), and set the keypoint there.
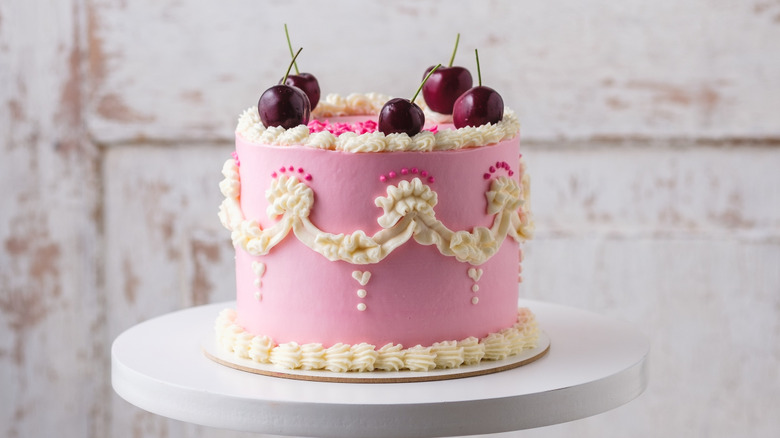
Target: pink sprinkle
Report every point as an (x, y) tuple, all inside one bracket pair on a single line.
[(316, 126), (307, 177), (486, 176), (404, 171), (414, 170), (391, 174), (431, 179), (424, 173), (365, 127), (234, 154), (434, 129), (382, 178), (300, 170)]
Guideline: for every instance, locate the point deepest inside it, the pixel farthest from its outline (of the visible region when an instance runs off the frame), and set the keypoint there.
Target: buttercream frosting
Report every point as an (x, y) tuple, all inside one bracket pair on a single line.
[(408, 214), (364, 357), (251, 128)]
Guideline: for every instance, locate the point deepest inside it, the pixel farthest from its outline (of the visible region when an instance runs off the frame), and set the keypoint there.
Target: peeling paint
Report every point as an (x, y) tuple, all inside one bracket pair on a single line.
[(112, 107), (96, 56), (703, 96), (16, 110), (131, 281), (203, 254), (192, 96)]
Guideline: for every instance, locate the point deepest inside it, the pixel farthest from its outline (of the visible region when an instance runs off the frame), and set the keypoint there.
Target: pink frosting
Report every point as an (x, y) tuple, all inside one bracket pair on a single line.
[(414, 296)]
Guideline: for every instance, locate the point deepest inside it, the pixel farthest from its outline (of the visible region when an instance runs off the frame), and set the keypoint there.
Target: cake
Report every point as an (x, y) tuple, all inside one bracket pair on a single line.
[(363, 251)]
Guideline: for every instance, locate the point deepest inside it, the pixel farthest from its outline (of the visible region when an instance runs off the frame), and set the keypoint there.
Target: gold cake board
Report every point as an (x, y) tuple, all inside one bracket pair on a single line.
[(226, 358)]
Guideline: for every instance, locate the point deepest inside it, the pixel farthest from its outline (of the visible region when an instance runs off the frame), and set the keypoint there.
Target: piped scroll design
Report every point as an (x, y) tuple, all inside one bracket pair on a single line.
[(408, 214)]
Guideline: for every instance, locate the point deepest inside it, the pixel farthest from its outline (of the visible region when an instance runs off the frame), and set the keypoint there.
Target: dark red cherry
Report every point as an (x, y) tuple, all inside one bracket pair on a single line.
[(285, 106), (308, 83), (401, 115), (444, 86), (305, 81), (478, 106)]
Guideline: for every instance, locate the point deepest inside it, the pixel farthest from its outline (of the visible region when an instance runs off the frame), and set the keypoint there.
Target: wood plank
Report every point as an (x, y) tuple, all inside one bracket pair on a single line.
[(609, 70), (665, 189), (53, 353), (710, 308)]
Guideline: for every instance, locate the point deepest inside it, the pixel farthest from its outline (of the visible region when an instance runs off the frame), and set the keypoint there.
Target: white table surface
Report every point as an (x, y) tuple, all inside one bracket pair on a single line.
[(594, 364)]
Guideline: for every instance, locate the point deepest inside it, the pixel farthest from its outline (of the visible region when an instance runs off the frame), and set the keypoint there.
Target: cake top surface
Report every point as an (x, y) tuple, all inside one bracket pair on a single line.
[(349, 124)]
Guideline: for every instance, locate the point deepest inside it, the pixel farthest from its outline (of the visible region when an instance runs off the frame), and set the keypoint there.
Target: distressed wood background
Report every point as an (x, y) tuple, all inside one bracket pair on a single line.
[(651, 130)]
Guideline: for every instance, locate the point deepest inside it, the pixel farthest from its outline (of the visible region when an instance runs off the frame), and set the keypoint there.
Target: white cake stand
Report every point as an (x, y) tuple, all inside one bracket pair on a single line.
[(594, 364)]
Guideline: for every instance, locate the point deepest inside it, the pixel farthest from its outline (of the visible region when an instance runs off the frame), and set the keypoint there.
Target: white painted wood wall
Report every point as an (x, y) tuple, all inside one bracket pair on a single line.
[(651, 130)]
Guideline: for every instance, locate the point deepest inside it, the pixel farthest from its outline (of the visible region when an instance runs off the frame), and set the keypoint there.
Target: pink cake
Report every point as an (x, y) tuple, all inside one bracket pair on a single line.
[(360, 251)]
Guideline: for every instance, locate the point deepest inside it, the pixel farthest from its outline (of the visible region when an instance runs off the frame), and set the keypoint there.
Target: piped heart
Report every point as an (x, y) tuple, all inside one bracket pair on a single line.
[(362, 277), (475, 274)]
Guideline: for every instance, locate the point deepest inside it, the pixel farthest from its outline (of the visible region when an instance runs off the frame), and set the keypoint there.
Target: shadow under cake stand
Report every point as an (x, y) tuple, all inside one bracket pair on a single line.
[(594, 364)]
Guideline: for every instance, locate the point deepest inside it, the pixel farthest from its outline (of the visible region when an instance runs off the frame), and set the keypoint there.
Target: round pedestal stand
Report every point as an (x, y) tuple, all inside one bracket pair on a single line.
[(594, 364)]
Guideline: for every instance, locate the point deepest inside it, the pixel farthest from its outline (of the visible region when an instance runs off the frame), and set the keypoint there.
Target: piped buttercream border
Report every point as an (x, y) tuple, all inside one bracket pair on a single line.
[(341, 358), (408, 214), (252, 129)]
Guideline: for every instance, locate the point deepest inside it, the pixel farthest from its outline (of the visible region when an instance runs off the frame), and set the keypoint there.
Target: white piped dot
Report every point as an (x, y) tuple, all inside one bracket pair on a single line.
[(474, 300), (361, 307), (475, 288), (362, 293), (258, 296)]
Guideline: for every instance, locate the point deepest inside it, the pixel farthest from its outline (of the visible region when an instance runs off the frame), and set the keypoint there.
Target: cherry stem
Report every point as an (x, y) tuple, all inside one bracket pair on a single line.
[(284, 79), (287, 34), (455, 50), (424, 81), (479, 73)]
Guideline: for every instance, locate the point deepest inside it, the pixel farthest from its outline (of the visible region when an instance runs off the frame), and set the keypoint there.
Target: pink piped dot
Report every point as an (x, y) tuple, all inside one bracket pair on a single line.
[(382, 178), (307, 177), (424, 173), (274, 175), (292, 168), (404, 171), (486, 176), (415, 170), (431, 179), (511, 173), (300, 170), (282, 169), (492, 169), (391, 174)]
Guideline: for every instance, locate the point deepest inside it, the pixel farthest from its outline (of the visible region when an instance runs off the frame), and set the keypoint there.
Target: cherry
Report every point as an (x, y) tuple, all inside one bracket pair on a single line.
[(478, 106), (400, 115), (443, 87), (284, 105), (305, 81)]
